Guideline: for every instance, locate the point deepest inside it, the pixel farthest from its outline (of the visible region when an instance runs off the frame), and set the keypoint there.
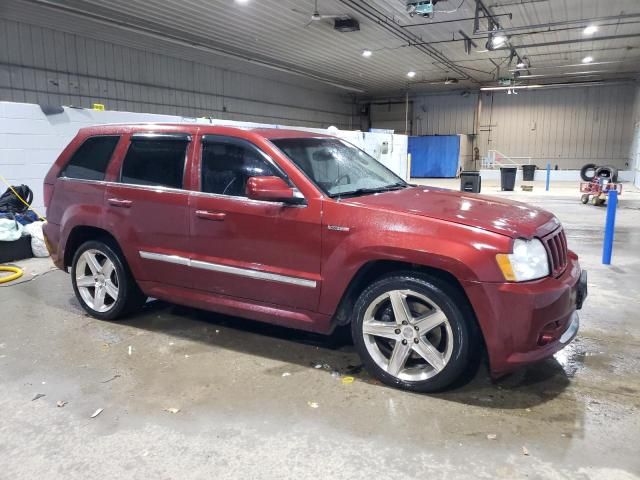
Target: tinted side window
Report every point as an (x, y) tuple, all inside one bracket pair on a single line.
[(91, 159), (155, 162), (227, 164)]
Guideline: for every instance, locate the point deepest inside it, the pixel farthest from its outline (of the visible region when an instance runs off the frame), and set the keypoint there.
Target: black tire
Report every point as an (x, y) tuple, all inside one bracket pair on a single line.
[(607, 171), (585, 198), (130, 297), (588, 171), (450, 301)]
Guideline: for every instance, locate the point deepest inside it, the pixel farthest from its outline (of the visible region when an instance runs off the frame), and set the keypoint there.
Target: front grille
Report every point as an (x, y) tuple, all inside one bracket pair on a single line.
[(556, 245)]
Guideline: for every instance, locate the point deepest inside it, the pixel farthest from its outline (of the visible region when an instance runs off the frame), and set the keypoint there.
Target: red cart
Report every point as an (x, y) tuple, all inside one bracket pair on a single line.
[(597, 190)]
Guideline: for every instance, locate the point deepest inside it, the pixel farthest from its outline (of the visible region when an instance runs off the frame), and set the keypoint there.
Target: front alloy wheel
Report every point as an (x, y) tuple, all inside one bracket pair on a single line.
[(413, 331), (407, 335)]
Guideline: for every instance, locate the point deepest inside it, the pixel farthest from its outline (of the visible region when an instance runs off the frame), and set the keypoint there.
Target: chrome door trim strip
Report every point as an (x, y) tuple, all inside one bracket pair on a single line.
[(175, 259), (216, 267)]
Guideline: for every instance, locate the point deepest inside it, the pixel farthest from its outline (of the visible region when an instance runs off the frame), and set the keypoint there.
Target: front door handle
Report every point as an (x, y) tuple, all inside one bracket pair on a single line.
[(118, 202), (207, 215)]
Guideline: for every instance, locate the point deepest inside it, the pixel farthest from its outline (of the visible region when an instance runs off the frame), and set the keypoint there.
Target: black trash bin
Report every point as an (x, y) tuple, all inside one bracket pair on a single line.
[(528, 172), (508, 178), (470, 181)]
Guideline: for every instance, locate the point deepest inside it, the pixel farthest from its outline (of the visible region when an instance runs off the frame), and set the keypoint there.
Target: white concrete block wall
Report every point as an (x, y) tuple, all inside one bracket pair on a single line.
[(30, 141)]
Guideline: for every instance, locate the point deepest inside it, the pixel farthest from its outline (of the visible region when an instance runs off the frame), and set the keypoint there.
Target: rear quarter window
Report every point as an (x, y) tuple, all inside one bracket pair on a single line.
[(91, 159)]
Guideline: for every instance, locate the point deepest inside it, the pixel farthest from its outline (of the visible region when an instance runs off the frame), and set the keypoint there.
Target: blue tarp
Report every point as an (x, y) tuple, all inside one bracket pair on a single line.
[(434, 156)]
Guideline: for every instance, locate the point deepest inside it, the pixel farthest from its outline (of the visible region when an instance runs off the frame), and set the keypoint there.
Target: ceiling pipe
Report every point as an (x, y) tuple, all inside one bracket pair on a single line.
[(583, 22), (452, 21), (576, 40), (595, 83)]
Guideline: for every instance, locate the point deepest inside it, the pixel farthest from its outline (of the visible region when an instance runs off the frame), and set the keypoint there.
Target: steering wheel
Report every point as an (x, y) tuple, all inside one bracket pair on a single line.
[(346, 176)]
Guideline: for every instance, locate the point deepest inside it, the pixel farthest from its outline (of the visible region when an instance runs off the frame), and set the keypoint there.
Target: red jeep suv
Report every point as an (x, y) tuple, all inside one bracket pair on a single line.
[(307, 231)]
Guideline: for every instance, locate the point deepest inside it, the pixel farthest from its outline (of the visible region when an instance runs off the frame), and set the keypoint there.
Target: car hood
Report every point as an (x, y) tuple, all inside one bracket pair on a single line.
[(506, 217)]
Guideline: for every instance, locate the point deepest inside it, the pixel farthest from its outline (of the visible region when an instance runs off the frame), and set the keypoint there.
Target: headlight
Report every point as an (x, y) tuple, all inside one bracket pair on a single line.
[(527, 262)]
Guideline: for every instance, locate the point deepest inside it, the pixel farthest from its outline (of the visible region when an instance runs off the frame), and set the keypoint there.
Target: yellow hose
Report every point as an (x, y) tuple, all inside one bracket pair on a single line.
[(17, 273)]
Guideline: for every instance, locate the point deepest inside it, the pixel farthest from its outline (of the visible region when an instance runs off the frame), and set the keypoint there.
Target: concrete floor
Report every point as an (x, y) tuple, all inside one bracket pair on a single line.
[(246, 392)]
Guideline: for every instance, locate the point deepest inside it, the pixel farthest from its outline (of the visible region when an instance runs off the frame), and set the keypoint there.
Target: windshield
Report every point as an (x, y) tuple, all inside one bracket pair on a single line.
[(339, 168)]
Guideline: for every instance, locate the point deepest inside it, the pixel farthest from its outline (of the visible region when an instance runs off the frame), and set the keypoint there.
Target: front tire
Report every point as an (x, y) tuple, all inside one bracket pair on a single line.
[(102, 283), (414, 332)]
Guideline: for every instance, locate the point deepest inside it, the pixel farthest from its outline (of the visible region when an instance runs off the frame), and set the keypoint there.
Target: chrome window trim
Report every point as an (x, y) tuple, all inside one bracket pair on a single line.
[(130, 185), (181, 190), (170, 136), (217, 267), (251, 200)]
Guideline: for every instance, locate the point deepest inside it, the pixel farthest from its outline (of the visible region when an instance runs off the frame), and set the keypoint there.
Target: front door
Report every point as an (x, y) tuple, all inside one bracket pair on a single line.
[(256, 250), (147, 208)]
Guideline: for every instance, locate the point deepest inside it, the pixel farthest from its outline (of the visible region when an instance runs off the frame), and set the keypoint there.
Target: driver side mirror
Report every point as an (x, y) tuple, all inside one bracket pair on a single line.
[(273, 189)]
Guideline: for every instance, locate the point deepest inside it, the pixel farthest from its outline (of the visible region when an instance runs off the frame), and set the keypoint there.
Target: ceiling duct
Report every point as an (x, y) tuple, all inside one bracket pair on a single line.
[(345, 25)]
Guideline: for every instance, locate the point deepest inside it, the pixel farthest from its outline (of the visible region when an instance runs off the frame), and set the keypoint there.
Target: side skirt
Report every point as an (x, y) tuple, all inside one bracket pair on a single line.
[(274, 314)]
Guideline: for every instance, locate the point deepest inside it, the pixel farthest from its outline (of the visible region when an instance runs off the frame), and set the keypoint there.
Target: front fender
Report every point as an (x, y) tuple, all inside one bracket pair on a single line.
[(465, 252)]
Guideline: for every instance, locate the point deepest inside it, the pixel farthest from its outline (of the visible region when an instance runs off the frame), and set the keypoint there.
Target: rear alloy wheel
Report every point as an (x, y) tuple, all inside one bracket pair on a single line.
[(102, 284), (411, 333), (97, 280)]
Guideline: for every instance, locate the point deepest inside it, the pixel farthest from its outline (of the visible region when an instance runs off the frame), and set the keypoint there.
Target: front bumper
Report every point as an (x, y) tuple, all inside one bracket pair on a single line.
[(526, 322)]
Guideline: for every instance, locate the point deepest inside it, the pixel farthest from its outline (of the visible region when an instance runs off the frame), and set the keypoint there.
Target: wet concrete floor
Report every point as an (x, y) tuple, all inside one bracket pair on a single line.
[(252, 403)]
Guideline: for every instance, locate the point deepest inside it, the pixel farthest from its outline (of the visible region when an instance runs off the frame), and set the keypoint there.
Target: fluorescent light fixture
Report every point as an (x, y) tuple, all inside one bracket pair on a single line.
[(517, 87), (242, 1), (590, 30), (498, 40), (366, 53), (587, 59), (411, 74)]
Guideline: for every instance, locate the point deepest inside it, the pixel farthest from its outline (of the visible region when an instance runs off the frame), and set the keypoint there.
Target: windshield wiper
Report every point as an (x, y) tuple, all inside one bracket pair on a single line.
[(366, 191)]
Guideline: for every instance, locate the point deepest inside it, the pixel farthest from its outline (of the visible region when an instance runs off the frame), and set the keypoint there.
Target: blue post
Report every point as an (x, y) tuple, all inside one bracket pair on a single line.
[(609, 227), (548, 174)]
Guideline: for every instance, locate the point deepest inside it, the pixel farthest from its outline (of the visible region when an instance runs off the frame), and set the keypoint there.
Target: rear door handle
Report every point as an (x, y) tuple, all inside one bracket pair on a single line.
[(117, 202), (207, 215)]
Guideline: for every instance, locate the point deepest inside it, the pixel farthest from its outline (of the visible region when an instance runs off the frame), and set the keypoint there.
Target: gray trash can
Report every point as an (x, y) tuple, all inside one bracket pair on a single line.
[(528, 172), (470, 181), (508, 178)]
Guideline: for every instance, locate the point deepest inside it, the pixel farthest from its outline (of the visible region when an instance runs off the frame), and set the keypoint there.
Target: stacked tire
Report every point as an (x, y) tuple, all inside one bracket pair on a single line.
[(590, 171)]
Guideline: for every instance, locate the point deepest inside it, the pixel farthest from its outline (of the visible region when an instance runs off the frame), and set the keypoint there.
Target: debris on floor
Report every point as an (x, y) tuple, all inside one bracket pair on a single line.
[(38, 395), (347, 380), (525, 451), (130, 349), (491, 436), (117, 375), (97, 412), (286, 374), (61, 403), (313, 404), (172, 410)]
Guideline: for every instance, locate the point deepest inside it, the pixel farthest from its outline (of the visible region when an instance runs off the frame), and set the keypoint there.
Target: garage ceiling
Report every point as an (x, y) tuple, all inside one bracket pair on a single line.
[(548, 35)]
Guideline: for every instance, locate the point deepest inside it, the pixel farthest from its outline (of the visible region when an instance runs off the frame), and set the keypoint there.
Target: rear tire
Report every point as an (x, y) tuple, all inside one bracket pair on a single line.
[(102, 282), (414, 332)]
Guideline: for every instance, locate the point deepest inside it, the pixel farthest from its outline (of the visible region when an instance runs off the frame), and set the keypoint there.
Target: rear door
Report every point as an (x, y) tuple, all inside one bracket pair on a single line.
[(257, 250), (147, 207)]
